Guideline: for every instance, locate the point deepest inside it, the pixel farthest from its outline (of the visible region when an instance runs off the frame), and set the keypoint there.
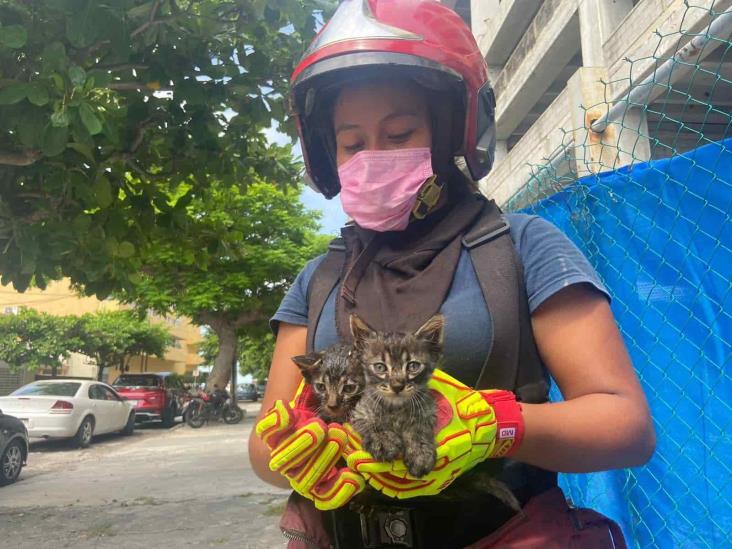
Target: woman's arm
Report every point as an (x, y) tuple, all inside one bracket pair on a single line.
[(604, 422), (284, 377)]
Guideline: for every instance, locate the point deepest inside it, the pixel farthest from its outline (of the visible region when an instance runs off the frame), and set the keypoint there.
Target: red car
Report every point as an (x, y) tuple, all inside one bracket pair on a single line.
[(154, 396)]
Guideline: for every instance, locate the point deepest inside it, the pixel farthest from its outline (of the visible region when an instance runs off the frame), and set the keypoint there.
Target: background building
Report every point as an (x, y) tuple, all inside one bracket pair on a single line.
[(59, 299), (558, 65)]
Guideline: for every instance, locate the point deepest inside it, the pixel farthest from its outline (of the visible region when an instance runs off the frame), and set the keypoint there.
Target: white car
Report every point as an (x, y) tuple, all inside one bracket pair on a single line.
[(70, 408)]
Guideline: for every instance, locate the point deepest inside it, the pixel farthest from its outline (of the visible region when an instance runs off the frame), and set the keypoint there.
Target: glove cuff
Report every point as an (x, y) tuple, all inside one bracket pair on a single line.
[(509, 422)]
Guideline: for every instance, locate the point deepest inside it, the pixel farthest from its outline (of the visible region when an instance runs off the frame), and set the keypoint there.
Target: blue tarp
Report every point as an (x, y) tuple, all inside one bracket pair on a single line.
[(660, 236)]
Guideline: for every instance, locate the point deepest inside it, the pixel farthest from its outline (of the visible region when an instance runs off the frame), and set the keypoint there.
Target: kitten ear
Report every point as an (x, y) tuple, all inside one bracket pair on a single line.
[(433, 330), (308, 364), (359, 330)]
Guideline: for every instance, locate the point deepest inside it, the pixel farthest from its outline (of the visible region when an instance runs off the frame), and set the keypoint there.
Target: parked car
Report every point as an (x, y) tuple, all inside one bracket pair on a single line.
[(155, 396), (69, 408), (247, 392), (13, 448)]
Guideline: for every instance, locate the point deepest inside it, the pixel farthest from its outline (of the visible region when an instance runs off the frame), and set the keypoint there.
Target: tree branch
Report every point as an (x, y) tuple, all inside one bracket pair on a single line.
[(151, 20), (136, 86), (141, 129), (23, 158), (123, 67), (245, 319)]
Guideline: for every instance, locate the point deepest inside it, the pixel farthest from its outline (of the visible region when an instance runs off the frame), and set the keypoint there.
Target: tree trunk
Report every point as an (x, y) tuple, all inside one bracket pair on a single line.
[(221, 372)]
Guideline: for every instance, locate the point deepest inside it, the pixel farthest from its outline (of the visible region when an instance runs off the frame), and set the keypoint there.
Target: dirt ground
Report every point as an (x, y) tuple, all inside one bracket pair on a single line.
[(176, 487)]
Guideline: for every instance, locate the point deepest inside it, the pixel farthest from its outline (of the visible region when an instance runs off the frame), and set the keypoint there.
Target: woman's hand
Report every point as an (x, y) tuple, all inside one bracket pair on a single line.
[(471, 426), (305, 451)]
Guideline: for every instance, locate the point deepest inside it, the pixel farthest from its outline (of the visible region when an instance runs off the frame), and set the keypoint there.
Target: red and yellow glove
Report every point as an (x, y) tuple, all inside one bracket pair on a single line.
[(305, 450), (471, 426)]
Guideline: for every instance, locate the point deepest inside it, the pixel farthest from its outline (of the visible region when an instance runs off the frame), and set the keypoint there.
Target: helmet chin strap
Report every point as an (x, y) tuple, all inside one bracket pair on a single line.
[(427, 198)]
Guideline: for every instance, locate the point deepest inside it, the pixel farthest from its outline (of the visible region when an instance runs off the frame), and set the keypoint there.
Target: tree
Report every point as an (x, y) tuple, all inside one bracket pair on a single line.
[(105, 107), (231, 263), (112, 338), (255, 355), (32, 340), (254, 352)]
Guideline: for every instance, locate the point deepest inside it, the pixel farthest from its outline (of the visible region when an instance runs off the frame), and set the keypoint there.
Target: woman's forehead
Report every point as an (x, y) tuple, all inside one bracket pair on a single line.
[(378, 100)]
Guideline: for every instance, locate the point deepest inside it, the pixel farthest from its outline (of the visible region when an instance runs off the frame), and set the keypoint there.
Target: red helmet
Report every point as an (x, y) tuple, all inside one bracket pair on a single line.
[(419, 39)]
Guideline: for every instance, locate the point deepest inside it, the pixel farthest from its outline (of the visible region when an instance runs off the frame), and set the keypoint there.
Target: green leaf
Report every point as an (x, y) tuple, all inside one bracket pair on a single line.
[(89, 84), (54, 140), (28, 265), (79, 30), (103, 192), (21, 282), (38, 94), (90, 120), (30, 130), (40, 281), (54, 57), (77, 76), (58, 81), (82, 149), (126, 249), (13, 36), (15, 93), (81, 223), (60, 119)]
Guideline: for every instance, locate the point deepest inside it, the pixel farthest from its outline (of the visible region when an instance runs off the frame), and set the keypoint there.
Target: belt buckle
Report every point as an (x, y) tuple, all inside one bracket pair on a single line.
[(387, 526)]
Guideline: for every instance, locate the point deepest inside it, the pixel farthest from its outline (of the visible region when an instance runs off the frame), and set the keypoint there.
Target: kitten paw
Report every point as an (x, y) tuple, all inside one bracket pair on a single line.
[(383, 447), (420, 461)]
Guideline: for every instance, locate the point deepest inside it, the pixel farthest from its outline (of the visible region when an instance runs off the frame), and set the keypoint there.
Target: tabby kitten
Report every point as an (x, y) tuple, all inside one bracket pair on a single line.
[(337, 379), (396, 415)]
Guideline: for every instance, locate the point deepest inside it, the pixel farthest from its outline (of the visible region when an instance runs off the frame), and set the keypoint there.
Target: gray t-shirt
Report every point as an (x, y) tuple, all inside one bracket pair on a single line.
[(551, 262)]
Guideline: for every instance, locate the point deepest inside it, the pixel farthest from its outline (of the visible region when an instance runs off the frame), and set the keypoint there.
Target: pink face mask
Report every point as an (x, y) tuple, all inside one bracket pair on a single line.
[(379, 188)]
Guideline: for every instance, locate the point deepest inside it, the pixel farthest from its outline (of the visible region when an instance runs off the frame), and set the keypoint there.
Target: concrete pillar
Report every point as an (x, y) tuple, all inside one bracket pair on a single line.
[(622, 143), (584, 91), (480, 12), (598, 19), (493, 72), (501, 151)]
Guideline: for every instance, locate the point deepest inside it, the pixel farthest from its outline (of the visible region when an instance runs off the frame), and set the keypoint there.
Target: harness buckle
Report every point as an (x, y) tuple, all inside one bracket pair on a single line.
[(386, 526), (428, 196)]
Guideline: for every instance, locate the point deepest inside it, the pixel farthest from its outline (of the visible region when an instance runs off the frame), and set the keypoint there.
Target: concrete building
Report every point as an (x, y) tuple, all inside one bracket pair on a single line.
[(557, 66), (59, 299)]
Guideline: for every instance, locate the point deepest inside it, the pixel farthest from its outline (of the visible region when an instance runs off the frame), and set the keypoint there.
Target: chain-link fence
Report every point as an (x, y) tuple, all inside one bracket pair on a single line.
[(659, 232)]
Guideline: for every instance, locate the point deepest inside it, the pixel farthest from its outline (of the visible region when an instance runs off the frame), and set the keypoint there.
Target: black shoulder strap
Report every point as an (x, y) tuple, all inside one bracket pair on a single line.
[(513, 361), (323, 280)]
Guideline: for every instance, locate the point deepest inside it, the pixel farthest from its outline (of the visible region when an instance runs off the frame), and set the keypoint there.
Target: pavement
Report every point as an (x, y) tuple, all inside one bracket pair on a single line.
[(176, 487)]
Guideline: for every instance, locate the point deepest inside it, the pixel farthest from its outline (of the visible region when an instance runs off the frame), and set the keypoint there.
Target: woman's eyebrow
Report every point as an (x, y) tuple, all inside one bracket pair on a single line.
[(343, 127), (398, 114)]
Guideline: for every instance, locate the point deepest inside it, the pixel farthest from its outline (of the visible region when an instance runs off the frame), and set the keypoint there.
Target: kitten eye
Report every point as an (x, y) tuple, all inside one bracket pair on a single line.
[(413, 367), (349, 388), (379, 367), (320, 387)]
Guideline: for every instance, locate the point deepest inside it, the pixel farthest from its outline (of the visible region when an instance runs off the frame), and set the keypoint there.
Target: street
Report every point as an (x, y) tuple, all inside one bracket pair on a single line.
[(175, 488)]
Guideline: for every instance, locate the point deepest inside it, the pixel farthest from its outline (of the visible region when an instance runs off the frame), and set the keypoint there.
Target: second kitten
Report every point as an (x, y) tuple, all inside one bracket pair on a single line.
[(396, 415)]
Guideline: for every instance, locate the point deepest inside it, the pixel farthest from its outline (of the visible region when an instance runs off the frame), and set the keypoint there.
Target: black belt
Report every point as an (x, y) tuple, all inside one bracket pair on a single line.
[(415, 525), (375, 521)]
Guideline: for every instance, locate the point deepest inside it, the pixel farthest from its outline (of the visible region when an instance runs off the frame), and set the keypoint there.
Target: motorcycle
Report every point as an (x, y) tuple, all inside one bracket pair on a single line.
[(203, 408)]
